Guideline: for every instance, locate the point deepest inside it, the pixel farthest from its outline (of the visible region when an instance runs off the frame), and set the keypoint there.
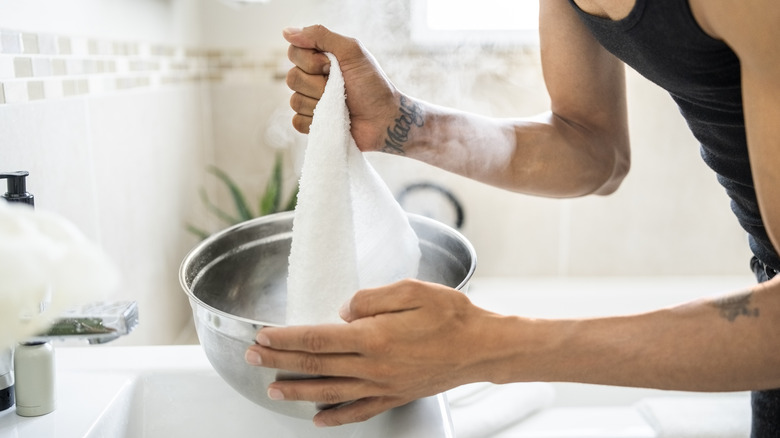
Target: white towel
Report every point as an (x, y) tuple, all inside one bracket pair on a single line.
[(698, 417), (349, 233), (480, 410)]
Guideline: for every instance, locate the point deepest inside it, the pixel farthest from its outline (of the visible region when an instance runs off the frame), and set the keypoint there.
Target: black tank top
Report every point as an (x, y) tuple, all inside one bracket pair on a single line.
[(661, 40)]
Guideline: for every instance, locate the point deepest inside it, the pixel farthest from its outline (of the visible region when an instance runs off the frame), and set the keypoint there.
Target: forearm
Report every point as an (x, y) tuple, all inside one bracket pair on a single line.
[(545, 155), (707, 345)]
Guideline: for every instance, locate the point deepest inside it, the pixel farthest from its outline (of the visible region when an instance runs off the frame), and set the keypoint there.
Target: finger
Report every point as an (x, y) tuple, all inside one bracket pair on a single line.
[(396, 297), (318, 37), (309, 60), (303, 105), (309, 85), (329, 391), (302, 123), (326, 338), (330, 365), (355, 412)]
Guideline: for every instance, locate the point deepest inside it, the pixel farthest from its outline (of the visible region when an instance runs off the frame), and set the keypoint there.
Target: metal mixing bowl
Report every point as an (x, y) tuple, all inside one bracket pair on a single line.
[(236, 281)]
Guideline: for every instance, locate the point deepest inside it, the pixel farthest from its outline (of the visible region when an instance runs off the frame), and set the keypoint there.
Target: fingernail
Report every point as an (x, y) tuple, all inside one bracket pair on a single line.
[(262, 339), (292, 30), (319, 423), (344, 311), (275, 394), (326, 69), (252, 358)]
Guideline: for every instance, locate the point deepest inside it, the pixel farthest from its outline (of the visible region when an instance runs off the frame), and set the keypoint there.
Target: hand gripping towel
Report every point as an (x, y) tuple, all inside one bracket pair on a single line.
[(349, 233)]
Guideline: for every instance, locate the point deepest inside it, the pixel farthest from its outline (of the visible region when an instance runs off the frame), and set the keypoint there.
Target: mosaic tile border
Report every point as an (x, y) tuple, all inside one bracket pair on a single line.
[(39, 66)]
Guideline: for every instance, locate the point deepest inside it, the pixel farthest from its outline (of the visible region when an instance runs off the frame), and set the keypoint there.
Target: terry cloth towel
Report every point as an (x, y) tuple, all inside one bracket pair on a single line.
[(481, 410), (725, 416), (349, 233)]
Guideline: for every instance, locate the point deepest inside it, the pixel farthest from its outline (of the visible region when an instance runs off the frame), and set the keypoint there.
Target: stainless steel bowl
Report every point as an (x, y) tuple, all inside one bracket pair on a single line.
[(236, 281)]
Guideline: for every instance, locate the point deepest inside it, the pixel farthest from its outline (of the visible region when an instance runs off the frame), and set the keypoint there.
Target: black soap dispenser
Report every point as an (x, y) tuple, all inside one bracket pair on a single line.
[(17, 192), (31, 386), (17, 187)]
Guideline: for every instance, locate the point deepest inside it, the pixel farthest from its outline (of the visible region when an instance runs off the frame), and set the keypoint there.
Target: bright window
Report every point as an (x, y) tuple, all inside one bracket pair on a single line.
[(477, 21)]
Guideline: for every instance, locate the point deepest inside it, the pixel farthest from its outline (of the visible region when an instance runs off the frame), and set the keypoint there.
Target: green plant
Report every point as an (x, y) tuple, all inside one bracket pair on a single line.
[(270, 201)]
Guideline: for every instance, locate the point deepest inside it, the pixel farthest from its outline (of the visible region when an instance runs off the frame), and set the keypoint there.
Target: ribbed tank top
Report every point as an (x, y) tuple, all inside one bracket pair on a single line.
[(662, 41)]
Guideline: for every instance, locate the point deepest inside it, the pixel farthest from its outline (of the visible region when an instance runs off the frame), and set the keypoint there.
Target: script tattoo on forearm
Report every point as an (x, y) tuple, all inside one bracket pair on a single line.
[(398, 134), (735, 306)]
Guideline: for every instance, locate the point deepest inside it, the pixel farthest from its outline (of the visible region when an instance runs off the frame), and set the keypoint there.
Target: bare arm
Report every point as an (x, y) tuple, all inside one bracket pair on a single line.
[(571, 151), (721, 344)]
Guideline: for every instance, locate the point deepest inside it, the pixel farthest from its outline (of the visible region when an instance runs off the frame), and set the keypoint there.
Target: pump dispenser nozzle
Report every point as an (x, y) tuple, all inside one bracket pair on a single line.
[(17, 187), (17, 192)]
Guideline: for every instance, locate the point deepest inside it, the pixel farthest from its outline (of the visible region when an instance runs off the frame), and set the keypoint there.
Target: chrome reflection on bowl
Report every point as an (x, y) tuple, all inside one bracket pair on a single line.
[(236, 281)]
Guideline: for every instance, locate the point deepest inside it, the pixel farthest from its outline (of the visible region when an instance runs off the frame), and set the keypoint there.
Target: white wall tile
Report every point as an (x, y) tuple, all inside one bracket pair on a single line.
[(6, 67), (23, 67), (10, 41), (41, 67), (35, 90), (30, 43), (63, 46), (15, 91), (47, 44), (59, 67), (53, 88)]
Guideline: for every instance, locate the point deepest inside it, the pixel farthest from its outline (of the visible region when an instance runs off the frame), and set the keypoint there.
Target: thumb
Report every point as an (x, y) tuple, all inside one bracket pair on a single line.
[(397, 297), (317, 37)]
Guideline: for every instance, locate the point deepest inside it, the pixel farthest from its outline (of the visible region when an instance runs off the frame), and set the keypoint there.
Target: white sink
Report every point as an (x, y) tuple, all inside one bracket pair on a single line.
[(155, 392)]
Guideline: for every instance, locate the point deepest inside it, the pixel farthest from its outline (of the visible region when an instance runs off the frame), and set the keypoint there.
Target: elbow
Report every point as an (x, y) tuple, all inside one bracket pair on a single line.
[(614, 171), (603, 154), (615, 174)]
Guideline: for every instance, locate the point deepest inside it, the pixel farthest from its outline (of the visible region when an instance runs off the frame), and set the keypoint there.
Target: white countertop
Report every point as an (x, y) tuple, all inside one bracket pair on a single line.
[(150, 392)]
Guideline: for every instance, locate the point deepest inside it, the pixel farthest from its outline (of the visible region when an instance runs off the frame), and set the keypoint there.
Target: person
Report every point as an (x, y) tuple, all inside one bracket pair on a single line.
[(720, 62)]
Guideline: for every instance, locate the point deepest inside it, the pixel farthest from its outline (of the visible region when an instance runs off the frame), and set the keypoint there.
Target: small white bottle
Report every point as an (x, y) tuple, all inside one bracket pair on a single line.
[(34, 370)]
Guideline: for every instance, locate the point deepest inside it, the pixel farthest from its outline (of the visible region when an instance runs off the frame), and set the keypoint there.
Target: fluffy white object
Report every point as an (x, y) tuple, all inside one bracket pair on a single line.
[(46, 267)]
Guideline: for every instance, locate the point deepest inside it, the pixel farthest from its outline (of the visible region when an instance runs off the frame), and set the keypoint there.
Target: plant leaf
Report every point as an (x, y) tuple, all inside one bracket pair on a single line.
[(293, 201), (244, 213), (198, 232), (216, 210), (271, 199)]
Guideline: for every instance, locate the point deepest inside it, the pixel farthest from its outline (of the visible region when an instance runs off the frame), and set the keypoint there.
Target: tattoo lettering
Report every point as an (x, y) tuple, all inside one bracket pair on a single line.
[(734, 306), (411, 115)]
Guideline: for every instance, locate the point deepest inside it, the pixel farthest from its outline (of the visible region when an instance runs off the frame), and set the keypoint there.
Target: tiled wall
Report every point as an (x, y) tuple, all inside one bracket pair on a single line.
[(117, 131), (37, 66)]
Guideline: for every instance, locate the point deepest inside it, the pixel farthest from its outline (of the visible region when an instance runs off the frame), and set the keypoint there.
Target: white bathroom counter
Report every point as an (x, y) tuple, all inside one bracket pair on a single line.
[(170, 391)]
